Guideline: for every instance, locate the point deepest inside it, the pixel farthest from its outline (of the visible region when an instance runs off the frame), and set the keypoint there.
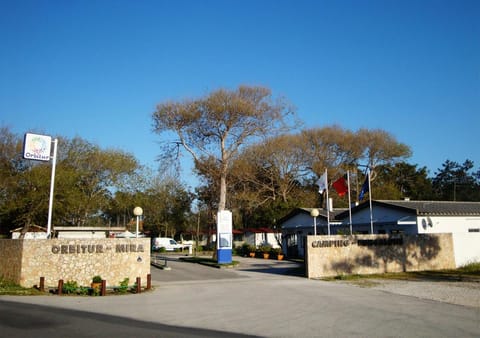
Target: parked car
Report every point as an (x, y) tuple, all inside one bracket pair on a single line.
[(168, 243)]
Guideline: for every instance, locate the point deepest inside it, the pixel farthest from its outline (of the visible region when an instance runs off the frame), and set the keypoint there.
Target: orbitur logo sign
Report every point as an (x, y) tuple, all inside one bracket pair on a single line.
[(37, 147)]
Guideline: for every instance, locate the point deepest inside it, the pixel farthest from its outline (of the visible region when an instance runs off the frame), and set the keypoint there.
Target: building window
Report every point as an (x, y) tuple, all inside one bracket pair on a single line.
[(474, 230)]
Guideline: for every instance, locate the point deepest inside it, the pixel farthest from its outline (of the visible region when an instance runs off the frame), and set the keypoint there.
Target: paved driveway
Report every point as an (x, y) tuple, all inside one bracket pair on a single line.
[(181, 271), (254, 299)]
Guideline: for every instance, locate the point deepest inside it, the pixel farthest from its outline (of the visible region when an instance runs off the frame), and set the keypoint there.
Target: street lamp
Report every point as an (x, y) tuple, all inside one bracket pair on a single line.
[(314, 213), (137, 212)]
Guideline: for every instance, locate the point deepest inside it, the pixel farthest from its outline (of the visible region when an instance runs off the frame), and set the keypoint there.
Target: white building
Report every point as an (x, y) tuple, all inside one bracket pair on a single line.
[(29, 232), (462, 219), (299, 223), (262, 236), (414, 217), (72, 232)]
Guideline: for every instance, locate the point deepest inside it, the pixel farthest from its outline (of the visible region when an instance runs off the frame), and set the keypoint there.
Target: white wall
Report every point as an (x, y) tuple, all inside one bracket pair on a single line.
[(466, 248), (82, 234), (272, 239), (380, 215), (445, 224), (260, 238), (30, 235)]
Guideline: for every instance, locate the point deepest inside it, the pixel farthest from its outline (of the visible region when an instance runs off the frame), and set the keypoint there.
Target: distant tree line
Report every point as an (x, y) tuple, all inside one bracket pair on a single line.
[(269, 179), (93, 187), (250, 153), (250, 161)]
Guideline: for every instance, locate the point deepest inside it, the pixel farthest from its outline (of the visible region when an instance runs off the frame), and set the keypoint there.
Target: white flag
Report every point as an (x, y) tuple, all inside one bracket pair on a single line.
[(322, 183)]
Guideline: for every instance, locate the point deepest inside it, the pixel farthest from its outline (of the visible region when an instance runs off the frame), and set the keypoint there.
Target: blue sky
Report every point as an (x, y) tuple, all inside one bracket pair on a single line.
[(97, 69)]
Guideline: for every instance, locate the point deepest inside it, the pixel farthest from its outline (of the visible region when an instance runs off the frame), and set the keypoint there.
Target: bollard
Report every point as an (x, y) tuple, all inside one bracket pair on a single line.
[(149, 281), (139, 285), (42, 284), (60, 287), (103, 291)]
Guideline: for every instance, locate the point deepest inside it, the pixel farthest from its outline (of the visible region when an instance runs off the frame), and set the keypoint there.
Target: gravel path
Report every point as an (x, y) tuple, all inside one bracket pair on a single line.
[(460, 293)]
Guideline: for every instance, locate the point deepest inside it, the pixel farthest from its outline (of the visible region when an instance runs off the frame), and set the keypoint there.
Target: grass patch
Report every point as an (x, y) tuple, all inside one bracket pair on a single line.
[(9, 288), (469, 272), (471, 269)]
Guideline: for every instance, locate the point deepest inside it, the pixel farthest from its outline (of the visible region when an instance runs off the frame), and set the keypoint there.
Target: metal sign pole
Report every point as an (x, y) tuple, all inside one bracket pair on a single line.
[(52, 184)]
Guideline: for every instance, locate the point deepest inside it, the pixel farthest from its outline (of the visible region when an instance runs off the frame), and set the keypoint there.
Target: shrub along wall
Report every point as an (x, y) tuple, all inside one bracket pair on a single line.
[(24, 261), (329, 256)]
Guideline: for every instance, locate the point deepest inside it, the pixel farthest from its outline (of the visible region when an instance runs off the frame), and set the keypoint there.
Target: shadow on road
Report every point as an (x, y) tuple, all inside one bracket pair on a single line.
[(182, 270), (28, 320), (287, 268)]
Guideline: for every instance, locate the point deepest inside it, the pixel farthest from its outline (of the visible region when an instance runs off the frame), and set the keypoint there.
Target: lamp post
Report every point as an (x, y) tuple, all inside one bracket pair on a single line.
[(137, 212), (314, 213)]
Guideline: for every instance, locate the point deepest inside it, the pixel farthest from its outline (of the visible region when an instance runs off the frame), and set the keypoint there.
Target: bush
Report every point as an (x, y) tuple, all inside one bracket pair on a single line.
[(97, 279), (83, 290), (276, 251), (244, 250), (70, 287), (265, 248), (123, 285)]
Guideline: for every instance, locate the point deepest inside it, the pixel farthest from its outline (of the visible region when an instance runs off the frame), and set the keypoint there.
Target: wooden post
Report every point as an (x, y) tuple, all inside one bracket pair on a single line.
[(42, 284), (139, 285), (103, 290), (60, 287), (149, 281)]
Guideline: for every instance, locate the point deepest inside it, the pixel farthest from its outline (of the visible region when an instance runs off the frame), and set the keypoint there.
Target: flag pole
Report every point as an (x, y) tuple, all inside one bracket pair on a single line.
[(52, 184), (349, 202), (370, 198), (328, 203)]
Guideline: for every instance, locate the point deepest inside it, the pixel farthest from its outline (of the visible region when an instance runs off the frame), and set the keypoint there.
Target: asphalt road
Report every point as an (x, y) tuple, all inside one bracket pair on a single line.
[(256, 299)]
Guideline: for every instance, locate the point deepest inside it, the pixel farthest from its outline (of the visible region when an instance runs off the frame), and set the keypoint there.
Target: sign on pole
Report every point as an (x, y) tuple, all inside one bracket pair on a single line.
[(37, 147), (224, 236)]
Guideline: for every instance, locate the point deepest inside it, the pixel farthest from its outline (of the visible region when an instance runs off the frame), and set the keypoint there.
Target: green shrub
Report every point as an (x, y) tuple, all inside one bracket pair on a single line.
[(237, 250), (82, 290), (70, 287), (123, 288), (265, 248), (97, 279), (244, 250), (275, 251), (134, 287)]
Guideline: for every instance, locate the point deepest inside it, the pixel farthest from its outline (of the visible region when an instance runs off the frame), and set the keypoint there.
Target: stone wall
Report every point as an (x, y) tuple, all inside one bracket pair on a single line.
[(328, 256), (25, 261), (11, 259)]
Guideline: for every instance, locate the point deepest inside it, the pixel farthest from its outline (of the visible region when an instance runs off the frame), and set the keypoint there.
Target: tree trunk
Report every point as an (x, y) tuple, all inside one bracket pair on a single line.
[(223, 192)]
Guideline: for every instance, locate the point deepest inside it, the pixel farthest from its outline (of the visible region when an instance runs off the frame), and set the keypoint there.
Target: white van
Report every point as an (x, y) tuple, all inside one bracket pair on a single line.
[(166, 242)]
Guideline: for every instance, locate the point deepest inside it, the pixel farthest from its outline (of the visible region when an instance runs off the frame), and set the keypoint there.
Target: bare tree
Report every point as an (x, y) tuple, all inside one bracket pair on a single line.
[(269, 170), (380, 147), (218, 125), (329, 147)]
